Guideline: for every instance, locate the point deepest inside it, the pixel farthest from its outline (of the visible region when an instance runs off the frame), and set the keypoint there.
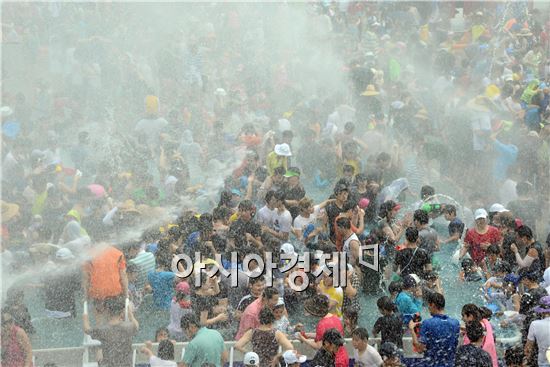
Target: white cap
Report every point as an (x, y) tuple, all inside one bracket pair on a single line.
[(497, 208), (480, 213), (251, 359), (287, 248), (280, 302), (291, 357), (64, 254), (283, 149)]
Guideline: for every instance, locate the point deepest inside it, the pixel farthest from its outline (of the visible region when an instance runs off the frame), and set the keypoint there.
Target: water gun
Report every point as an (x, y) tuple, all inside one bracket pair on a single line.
[(432, 208)]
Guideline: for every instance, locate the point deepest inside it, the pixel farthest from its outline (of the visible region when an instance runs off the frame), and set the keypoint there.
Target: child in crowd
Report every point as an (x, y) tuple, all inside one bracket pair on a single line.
[(281, 320), (391, 355), (470, 272), (364, 354), (456, 227), (389, 324), (494, 287), (165, 354), (180, 306), (431, 284), (394, 289)]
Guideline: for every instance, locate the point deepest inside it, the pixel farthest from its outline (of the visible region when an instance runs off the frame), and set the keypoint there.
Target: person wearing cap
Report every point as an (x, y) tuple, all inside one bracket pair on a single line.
[(278, 158), (251, 359), (330, 352), (61, 285), (180, 306), (391, 355), (439, 334), (293, 359), (539, 333), (479, 238), (409, 300)]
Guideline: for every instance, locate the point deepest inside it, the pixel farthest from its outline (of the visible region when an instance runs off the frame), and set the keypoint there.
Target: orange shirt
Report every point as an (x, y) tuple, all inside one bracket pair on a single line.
[(104, 273)]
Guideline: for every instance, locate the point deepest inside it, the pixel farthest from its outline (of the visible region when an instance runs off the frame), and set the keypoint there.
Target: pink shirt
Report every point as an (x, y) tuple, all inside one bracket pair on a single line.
[(489, 343), (250, 319), (333, 322)]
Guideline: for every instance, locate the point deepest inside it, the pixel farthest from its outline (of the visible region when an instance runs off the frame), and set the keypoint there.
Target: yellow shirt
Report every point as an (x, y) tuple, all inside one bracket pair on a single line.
[(334, 294), (273, 161)]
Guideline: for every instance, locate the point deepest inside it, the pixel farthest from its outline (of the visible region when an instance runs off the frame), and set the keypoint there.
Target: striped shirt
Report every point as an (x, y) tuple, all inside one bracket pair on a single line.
[(145, 261)]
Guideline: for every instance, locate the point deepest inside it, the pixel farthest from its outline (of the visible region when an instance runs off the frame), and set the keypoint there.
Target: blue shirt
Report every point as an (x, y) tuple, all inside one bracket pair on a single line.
[(162, 283), (440, 336), (407, 305)]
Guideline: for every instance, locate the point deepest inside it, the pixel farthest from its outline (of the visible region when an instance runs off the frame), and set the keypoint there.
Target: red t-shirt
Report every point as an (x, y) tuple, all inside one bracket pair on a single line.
[(475, 240), (333, 322)]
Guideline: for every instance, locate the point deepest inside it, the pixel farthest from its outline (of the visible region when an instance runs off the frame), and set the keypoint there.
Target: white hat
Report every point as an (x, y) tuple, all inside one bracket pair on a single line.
[(280, 302), (283, 149), (64, 254), (287, 248), (284, 124), (497, 208), (480, 213), (291, 357), (6, 111), (220, 92), (251, 359)]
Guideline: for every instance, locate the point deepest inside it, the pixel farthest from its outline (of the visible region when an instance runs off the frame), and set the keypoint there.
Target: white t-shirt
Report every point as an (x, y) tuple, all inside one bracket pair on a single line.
[(300, 223), (266, 216), (155, 361), (540, 331), (282, 221), (369, 358)]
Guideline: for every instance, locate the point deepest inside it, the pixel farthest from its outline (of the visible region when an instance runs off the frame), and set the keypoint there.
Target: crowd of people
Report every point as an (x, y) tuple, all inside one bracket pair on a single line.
[(269, 132)]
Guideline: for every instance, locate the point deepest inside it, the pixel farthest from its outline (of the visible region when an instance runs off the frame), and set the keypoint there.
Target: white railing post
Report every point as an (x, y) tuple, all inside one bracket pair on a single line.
[(231, 352)]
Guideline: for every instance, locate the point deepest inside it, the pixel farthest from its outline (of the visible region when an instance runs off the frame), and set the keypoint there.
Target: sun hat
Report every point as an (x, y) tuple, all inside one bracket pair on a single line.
[(497, 208), (410, 281), (291, 357), (251, 359), (288, 248), (293, 172), (480, 213), (370, 91), (9, 211), (544, 305), (64, 254), (317, 305), (280, 302), (283, 149)]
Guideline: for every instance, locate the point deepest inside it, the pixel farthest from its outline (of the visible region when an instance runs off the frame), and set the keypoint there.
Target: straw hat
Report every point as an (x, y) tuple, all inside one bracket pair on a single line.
[(370, 91), (422, 114), (9, 211), (525, 32)]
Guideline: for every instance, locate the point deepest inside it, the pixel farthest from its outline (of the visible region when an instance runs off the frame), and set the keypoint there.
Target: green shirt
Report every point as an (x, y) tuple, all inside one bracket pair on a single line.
[(206, 347)]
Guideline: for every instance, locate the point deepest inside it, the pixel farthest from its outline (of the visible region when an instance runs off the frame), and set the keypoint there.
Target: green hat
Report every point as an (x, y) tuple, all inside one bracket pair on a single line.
[(293, 172)]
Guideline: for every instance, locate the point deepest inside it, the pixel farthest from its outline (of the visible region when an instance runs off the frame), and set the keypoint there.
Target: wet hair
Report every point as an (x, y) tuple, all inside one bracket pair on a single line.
[(305, 203), (115, 305), (421, 216), (246, 205), (132, 268), (514, 355), (280, 196), (426, 191), (166, 350), (349, 127), (395, 287), (279, 171), (507, 220), (493, 250), (450, 209), (474, 330), (188, 320), (436, 299), (383, 157), (225, 198), (411, 234), (430, 275), (349, 205), (269, 293), (269, 195), (343, 222), (361, 333), (386, 208), (348, 168), (221, 213), (352, 315), (470, 309), (525, 231), (386, 304), (252, 281), (266, 316)]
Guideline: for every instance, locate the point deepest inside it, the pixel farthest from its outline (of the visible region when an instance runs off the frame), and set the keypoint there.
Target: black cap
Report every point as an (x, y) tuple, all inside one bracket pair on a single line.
[(339, 188)]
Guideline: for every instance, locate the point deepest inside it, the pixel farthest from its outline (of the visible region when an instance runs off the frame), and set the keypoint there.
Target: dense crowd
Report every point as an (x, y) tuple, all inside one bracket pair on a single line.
[(254, 136)]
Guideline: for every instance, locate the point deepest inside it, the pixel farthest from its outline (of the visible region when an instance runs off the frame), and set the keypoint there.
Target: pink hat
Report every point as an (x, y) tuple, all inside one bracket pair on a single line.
[(182, 287), (97, 190), (363, 203)]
